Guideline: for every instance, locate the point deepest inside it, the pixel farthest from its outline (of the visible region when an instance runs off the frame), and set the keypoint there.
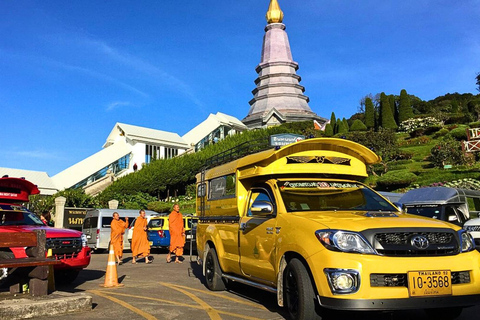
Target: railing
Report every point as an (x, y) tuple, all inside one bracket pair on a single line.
[(236, 152)]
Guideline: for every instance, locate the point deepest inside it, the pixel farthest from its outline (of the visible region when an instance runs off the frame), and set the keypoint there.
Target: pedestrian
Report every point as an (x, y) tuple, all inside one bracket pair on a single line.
[(135, 167), (46, 218), (117, 230), (140, 244), (177, 234)]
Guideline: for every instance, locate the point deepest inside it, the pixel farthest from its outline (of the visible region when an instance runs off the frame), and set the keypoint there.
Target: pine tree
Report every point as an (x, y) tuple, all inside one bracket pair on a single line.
[(369, 114), (405, 110), (333, 122), (393, 106), (358, 125), (328, 130), (386, 117), (345, 125), (341, 128)]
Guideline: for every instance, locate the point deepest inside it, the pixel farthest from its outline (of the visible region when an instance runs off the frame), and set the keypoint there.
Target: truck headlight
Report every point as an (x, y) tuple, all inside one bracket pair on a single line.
[(467, 242), (345, 241), (84, 240)]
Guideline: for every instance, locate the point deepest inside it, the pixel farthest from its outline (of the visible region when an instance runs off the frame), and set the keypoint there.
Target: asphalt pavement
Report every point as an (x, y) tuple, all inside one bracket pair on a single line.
[(163, 290)]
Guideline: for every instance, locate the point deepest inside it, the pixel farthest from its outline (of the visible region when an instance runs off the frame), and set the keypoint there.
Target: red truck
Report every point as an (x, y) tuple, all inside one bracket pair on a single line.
[(68, 246)]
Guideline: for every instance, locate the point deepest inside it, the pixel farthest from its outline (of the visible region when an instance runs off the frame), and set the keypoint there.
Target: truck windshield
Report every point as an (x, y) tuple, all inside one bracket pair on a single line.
[(429, 212), (15, 218), (330, 195)]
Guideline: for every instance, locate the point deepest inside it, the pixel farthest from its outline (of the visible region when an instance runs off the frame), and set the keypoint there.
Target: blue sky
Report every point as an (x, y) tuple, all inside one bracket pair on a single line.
[(69, 70)]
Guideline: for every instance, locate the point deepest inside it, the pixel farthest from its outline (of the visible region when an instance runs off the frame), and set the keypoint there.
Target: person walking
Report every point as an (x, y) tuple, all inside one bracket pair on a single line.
[(140, 244), (177, 234), (117, 230)]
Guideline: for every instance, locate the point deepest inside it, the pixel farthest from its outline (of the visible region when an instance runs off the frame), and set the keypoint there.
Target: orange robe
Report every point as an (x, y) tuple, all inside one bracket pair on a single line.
[(116, 236), (140, 245), (176, 227)]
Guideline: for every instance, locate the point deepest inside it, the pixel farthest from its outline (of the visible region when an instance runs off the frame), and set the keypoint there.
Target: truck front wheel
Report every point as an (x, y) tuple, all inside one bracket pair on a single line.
[(299, 296), (213, 273)]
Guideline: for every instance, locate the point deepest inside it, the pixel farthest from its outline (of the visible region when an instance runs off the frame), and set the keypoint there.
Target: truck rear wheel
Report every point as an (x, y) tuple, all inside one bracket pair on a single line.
[(213, 273), (299, 296)]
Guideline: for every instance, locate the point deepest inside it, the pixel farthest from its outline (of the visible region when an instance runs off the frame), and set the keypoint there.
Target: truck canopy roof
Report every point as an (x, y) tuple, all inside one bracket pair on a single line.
[(311, 156), (437, 195), (16, 189)]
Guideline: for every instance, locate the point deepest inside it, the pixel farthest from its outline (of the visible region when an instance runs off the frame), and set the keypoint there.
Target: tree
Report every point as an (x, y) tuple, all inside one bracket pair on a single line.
[(341, 127), (393, 106), (405, 110), (358, 125), (386, 117), (369, 114), (328, 130), (478, 81), (333, 122), (345, 124)]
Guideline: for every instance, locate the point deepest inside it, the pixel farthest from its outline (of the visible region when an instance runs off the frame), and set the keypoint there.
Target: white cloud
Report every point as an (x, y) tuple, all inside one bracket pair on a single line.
[(117, 104)]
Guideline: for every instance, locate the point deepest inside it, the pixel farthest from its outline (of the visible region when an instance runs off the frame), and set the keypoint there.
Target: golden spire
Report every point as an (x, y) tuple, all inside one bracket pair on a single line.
[(274, 14)]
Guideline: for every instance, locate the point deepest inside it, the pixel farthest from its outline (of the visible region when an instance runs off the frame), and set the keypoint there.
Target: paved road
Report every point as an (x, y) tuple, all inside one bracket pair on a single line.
[(176, 291)]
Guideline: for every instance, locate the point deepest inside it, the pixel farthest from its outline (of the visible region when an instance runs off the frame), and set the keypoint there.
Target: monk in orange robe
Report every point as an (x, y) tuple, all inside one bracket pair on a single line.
[(140, 244), (177, 234), (117, 228)]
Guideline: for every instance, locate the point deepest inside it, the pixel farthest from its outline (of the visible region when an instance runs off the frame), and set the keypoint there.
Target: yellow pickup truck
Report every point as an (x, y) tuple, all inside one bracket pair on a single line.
[(296, 221)]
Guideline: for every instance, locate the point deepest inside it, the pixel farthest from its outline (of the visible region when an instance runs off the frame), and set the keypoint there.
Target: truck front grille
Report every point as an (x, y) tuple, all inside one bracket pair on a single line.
[(64, 247), (401, 280), (402, 243)]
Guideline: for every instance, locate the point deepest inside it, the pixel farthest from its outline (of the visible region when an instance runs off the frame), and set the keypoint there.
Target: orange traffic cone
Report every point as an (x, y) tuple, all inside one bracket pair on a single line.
[(111, 277)]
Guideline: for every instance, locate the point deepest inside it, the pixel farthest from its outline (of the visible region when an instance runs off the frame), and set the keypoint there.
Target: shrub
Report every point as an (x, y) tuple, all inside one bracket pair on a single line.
[(411, 125), (358, 125), (395, 179), (459, 133), (475, 124), (448, 151), (441, 133), (160, 206)]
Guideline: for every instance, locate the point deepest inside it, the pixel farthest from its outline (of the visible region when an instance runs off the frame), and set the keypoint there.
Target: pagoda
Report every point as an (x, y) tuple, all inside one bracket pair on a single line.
[(278, 97)]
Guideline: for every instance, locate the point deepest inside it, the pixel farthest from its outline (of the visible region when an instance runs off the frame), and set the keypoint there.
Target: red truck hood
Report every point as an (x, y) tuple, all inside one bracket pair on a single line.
[(51, 232)]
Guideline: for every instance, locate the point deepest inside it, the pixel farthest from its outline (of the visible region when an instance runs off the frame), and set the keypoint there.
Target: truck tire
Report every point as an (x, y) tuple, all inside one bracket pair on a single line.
[(299, 296), (213, 273), (444, 313)]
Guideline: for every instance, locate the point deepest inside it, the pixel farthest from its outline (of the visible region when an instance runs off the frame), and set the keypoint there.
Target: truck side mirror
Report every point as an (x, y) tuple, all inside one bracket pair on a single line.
[(263, 208)]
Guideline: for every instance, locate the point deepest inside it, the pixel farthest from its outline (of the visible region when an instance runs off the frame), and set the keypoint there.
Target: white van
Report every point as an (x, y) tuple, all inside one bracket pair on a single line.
[(96, 226)]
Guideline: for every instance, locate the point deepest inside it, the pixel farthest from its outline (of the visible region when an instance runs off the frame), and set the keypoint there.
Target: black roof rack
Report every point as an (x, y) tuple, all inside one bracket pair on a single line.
[(243, 149)]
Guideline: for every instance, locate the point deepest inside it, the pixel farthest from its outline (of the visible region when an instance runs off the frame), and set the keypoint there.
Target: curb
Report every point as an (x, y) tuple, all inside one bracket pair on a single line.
[(25, 307)]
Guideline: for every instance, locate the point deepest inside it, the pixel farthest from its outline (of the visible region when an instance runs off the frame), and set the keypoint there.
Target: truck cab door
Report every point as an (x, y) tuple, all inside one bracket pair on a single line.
[(257, 235)]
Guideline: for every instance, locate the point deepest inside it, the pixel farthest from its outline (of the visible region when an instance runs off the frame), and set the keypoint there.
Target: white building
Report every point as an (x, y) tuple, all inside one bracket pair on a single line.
[(215, 128), (39, 178), (127, 149)]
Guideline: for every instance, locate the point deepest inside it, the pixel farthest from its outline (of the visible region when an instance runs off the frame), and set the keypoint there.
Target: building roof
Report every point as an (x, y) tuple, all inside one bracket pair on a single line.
[(39, 178), (146, 135), (85, 168), (213, 121)]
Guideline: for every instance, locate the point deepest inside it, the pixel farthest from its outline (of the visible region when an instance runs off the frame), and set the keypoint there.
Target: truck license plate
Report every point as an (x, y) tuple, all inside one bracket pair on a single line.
[(429, 283)]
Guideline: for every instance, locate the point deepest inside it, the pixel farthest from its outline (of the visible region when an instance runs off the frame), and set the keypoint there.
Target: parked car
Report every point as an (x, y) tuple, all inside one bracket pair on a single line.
[(68, 246), (158, 232), (96, 226)]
